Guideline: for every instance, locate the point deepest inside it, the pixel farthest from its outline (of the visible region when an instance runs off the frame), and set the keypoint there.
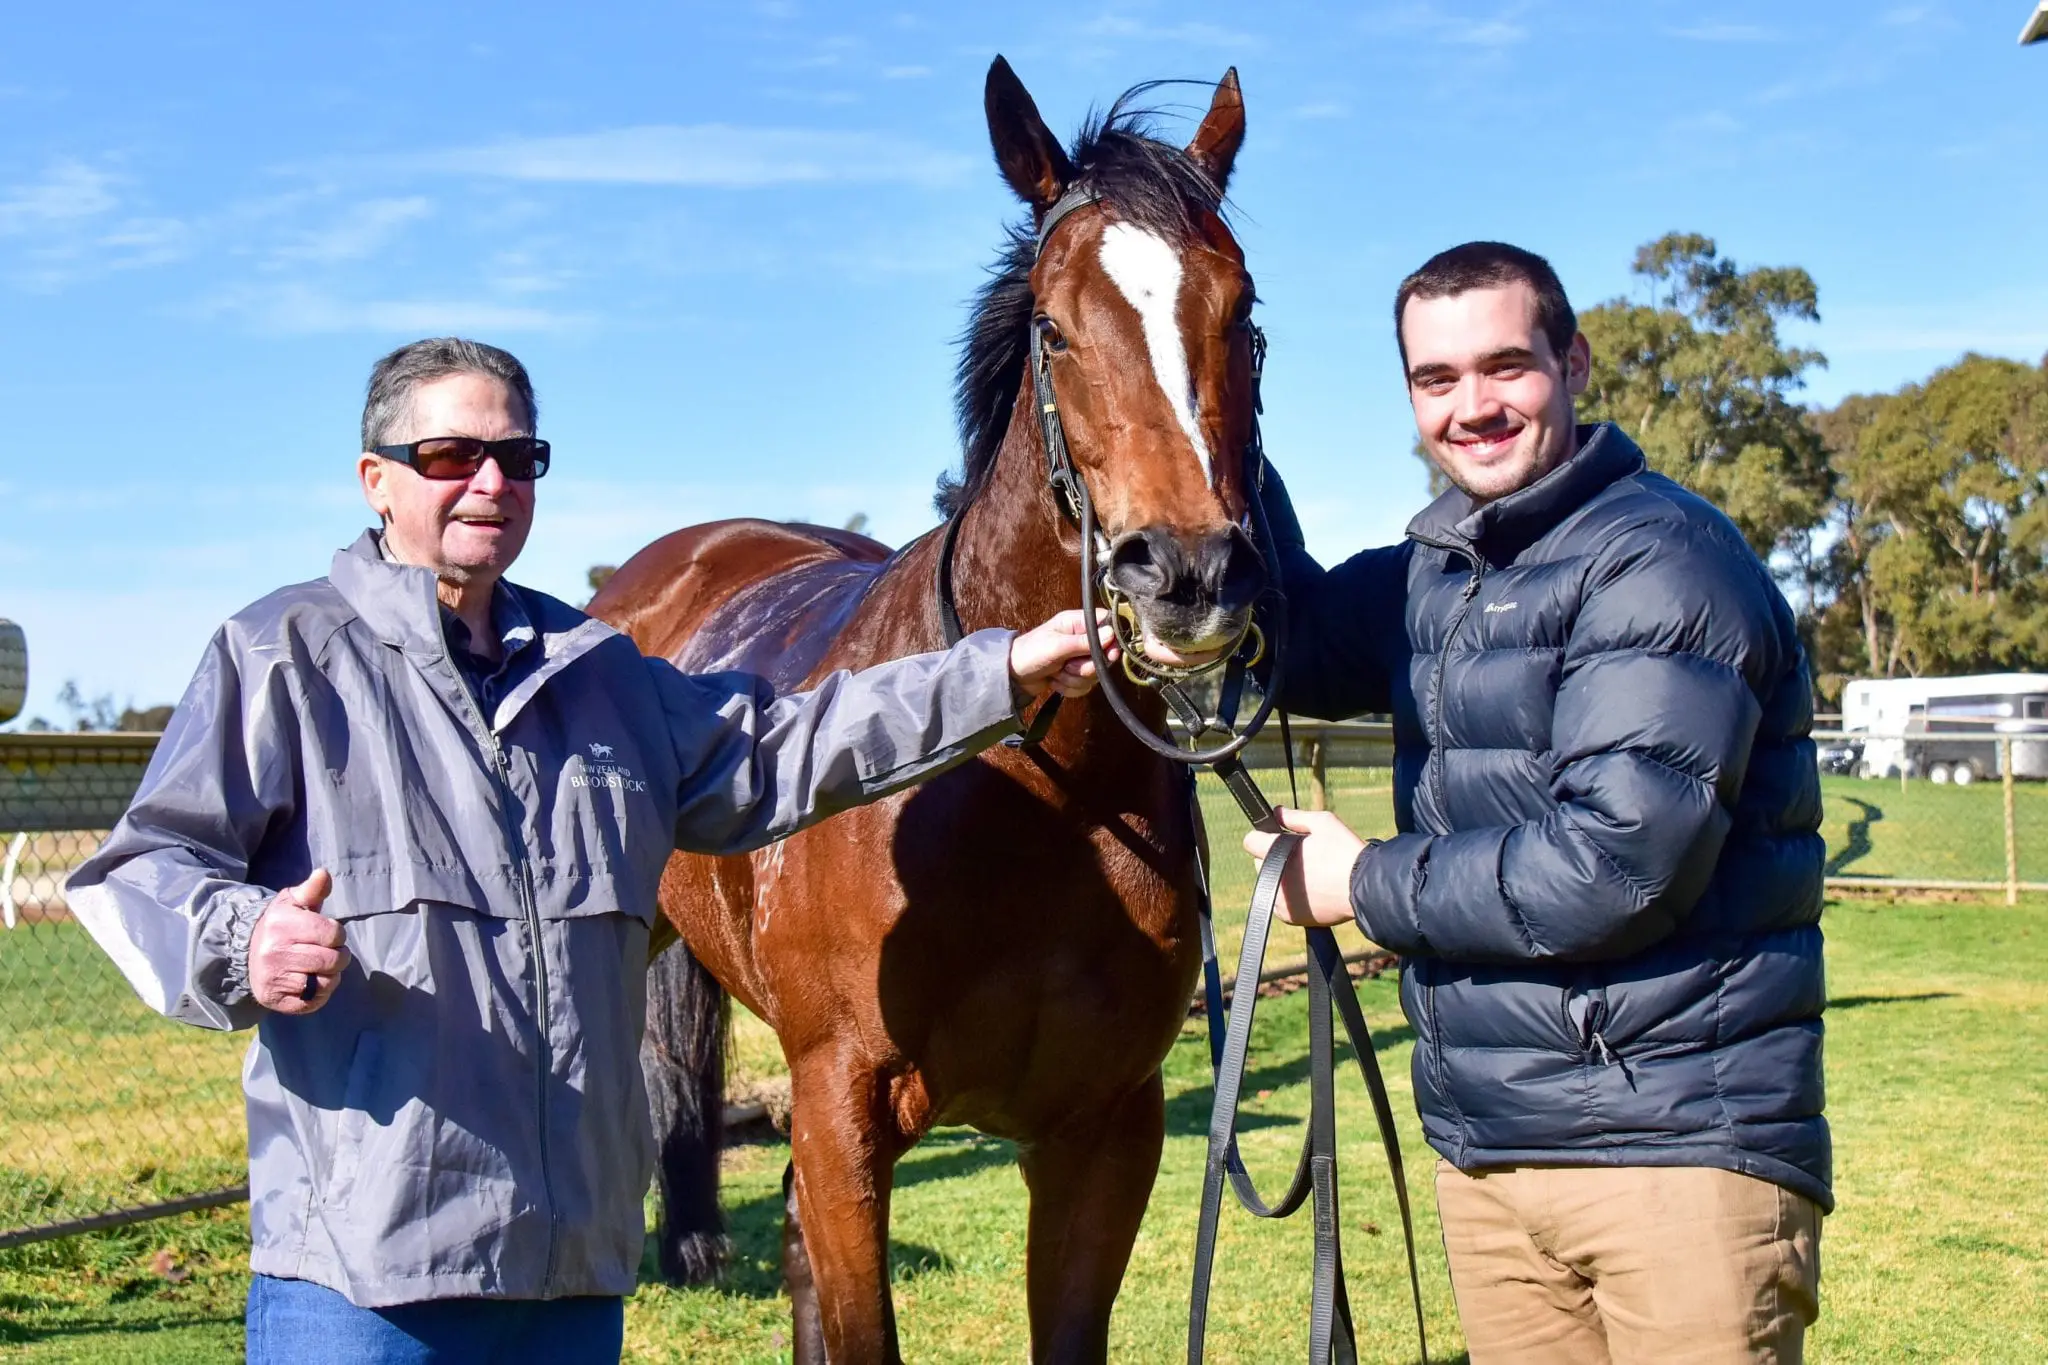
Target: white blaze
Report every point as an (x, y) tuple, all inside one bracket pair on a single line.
[(1147, 270)]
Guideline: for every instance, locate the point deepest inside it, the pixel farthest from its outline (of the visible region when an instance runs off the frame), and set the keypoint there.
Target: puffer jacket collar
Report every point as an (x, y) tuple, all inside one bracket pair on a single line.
[(1501, 529)]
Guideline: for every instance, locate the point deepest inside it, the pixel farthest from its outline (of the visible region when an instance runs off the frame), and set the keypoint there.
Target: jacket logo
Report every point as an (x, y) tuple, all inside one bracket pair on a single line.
[(1496, 608), (601, 772)]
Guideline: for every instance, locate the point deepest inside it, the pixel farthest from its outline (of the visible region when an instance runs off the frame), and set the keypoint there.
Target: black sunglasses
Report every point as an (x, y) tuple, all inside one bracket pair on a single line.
[(459, 457)]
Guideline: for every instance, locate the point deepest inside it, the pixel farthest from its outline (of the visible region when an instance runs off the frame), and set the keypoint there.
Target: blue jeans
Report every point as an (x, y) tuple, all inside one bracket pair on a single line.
[(297, 1322)]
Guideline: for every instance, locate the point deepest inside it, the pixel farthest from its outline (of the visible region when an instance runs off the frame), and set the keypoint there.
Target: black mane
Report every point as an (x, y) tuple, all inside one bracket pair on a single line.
[(1146, 182)]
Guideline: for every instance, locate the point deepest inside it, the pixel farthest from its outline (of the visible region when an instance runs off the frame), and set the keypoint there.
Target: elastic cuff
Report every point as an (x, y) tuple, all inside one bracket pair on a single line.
[(1358, 889), (1020, 700), (234, 976)]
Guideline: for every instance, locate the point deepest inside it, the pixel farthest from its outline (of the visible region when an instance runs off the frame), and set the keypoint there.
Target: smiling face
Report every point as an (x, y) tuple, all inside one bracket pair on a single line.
[(1493, 400), (468, 531)]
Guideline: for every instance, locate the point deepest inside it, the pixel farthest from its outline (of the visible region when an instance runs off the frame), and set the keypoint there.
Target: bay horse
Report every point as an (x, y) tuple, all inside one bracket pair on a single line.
[(1013, 945)]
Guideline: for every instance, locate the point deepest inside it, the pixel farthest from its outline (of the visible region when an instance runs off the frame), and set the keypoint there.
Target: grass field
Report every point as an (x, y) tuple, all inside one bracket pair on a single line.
[(1937, 1037)]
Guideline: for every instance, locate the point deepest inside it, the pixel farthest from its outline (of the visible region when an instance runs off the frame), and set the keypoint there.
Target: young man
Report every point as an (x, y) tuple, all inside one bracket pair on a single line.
[(1606, 890), (408, 821)]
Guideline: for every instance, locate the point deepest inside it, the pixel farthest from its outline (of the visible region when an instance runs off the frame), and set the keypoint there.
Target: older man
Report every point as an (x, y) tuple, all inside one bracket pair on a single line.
[(408, 821), (1606, 890)]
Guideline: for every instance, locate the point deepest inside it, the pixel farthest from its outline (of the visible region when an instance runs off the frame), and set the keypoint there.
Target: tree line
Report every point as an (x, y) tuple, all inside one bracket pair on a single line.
[(1909, 529)]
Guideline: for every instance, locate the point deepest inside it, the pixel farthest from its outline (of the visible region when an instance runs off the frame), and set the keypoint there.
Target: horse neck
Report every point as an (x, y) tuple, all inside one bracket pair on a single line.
[(1018, 562)]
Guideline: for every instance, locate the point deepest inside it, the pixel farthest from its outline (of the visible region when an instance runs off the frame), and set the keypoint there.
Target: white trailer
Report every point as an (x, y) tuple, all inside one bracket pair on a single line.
[(1946, 729)]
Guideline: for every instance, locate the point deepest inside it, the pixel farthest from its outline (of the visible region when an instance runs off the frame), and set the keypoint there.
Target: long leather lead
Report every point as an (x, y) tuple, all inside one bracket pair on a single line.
[(1332, 1333)]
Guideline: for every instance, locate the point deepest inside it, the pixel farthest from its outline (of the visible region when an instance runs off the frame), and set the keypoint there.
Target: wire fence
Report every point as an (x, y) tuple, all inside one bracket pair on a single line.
[(109, 1114)]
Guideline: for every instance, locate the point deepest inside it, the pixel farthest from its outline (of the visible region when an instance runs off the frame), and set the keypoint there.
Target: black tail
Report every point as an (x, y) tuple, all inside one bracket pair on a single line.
[(683, 1057)]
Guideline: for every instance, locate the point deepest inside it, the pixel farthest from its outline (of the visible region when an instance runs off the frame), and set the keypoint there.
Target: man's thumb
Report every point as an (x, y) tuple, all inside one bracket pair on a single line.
[(312, 891)]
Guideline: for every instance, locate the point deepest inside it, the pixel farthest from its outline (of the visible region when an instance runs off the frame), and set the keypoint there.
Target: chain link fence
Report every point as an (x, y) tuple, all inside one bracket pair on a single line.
[(109, 1114)]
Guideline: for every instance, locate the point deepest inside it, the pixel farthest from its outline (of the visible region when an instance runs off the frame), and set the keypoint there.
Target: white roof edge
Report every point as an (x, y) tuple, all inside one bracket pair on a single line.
[(2037, 27), (1974, 682)]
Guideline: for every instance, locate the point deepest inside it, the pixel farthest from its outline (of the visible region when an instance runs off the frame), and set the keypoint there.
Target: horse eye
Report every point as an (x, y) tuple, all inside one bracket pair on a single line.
[(1049, 334)]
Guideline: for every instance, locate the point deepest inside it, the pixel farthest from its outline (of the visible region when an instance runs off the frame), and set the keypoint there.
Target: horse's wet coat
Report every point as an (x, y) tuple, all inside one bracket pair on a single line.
[(781, 627)]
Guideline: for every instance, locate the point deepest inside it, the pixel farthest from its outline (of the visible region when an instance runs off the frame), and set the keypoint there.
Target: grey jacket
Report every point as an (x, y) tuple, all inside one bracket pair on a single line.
[(466, 1114)]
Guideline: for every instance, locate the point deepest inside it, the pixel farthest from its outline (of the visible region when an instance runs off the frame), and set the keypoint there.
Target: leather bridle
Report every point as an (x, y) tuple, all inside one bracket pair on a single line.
[(1332, 1336)]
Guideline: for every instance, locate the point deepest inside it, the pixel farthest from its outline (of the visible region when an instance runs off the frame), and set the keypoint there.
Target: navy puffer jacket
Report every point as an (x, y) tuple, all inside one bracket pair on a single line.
[(1607, 884)]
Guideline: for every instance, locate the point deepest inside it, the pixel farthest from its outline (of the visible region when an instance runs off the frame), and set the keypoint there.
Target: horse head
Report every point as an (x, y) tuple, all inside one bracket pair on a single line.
[(1141, 305)]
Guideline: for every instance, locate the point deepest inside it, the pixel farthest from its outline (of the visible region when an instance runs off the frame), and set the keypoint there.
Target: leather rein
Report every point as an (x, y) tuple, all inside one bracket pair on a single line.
[(1332, 1336)]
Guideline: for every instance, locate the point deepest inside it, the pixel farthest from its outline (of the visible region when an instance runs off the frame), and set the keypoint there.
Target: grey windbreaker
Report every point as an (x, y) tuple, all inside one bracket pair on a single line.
[(466, 1115)]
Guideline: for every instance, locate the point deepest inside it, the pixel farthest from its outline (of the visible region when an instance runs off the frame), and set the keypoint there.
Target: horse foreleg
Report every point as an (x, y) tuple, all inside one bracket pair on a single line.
[(1089, 1184), (843, 1159), (807, 1328)]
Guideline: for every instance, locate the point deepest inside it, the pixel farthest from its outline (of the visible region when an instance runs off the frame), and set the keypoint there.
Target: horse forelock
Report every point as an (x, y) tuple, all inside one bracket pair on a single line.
[(1141, 180)]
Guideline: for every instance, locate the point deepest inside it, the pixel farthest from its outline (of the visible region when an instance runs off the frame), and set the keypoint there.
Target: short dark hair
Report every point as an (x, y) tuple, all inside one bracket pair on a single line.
[(393, 379), (1489, 265)]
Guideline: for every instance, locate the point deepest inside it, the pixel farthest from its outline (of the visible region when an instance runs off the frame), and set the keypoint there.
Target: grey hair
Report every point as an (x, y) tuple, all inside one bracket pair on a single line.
[(388, 404)]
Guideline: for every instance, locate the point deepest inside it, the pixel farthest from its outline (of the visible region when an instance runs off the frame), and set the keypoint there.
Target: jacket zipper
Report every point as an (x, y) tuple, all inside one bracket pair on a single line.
[(1436, 759), (543, 1049), (1436, 691), (543, 1045)]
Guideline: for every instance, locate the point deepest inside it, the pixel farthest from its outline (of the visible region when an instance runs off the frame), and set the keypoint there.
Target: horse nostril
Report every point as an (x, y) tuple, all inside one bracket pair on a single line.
[(1145, 563), (1214, 569), (1230, 569)]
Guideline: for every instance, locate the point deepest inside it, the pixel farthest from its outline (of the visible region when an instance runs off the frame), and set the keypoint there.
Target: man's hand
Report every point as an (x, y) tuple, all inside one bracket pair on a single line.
[(1055, 655), (295, 947), (1316, 887)]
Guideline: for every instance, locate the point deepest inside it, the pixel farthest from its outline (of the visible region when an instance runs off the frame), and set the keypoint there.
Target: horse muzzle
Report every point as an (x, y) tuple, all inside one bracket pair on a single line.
[(1188, 597)]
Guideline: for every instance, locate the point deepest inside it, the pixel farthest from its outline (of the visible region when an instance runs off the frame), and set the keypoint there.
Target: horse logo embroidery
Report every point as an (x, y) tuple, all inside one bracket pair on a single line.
[(600, 751)]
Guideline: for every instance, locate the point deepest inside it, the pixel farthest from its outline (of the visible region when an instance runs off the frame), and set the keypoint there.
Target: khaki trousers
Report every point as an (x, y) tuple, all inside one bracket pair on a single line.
[(1581, 1265)]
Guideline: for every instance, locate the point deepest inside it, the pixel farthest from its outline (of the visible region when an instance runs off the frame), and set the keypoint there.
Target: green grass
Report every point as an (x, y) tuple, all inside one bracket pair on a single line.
[(1936, 1042), (1877, 829), (107, 1106), (1938, 1251)]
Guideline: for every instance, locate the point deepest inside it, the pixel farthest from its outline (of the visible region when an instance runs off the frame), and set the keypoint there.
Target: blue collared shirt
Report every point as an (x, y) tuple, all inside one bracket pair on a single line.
[(518, 648)]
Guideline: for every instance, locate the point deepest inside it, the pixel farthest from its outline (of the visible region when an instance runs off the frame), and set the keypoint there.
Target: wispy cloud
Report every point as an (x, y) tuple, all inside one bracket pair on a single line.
[(1726, 33), (823, 98), (1488, 33), (66, 226), (67, 192), (710, 155), (1192, 33), (905, 73), (360, 231), (1320, 109), (1423, 19), (302, 308)]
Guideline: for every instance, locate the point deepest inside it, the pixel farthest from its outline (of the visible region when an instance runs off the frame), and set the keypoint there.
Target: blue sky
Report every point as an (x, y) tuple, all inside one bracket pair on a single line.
[(733, 241)]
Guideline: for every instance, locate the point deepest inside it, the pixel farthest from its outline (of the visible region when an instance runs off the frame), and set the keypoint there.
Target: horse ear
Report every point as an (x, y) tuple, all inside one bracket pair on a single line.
[(1222, 132), (1031, 158)]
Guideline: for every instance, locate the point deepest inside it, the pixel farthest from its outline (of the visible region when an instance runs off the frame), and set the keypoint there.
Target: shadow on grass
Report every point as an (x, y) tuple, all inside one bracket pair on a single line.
[(1859, 836), (1187, 1113), (84, 1323), (753, 1269), (1857, 1002), (943, 1156)]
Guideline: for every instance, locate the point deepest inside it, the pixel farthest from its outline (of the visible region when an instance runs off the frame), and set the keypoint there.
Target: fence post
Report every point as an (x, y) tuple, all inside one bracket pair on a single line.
[(2012, 843), (1318, 775)]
